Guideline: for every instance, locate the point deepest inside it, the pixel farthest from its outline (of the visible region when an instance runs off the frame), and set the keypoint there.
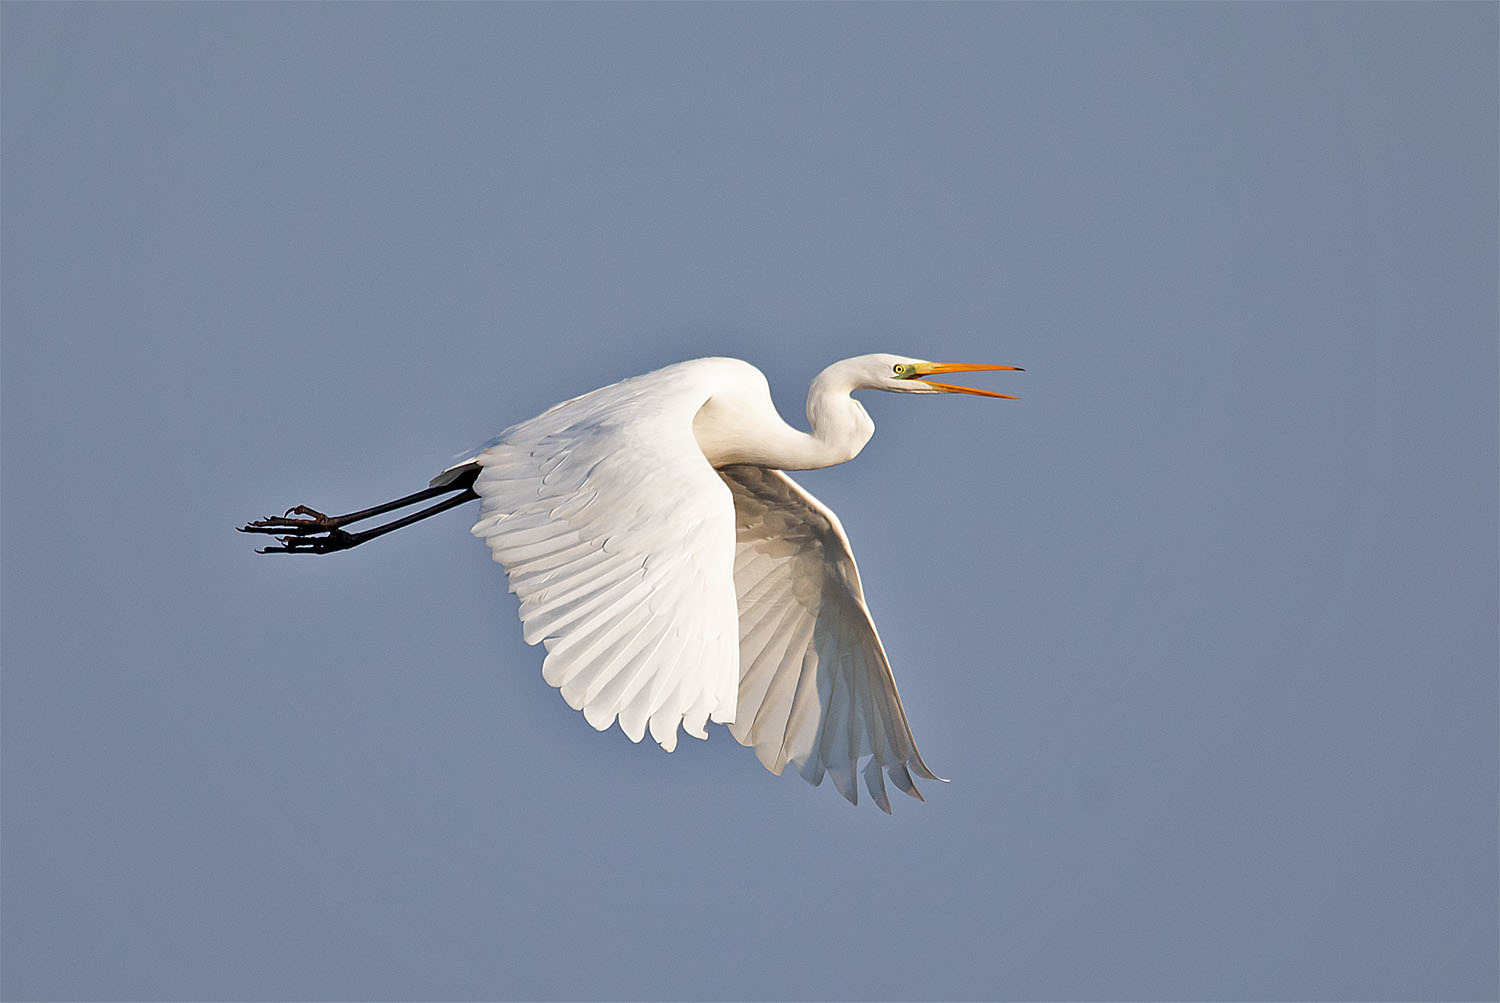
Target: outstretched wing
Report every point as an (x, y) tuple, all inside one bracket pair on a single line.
[(619, 541), (815, 689)]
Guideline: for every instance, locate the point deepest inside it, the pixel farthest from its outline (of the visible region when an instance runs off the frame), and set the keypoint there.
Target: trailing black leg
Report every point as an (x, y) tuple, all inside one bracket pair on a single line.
[(304, 530)]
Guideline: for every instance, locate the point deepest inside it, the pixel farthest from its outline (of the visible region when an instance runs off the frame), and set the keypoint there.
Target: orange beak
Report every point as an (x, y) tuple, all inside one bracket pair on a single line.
[(927, 369)]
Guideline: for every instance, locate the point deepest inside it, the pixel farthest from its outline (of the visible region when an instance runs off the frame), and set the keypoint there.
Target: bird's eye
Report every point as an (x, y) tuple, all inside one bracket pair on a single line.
[(899, 369)]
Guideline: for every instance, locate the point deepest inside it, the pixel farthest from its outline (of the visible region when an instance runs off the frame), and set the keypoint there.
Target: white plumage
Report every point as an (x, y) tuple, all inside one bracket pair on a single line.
[(619, 540), (815, 688), (674, 573)]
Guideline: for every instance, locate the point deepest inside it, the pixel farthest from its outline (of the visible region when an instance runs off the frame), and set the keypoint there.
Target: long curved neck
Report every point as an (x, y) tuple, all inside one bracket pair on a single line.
[(748, 430), (840, 425)]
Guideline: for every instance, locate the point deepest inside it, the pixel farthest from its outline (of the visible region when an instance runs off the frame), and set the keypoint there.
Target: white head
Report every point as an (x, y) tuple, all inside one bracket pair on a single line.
[(901, 375)]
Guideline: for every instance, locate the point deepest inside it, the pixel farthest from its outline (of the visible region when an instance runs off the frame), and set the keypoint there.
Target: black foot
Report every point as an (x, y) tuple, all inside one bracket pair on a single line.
[(302, 530)]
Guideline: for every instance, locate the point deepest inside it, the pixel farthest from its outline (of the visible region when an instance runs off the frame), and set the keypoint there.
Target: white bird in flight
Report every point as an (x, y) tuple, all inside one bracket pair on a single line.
[(676, 575)]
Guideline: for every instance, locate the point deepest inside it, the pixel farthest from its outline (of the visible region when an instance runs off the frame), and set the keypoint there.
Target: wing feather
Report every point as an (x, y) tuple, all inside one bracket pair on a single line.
[(781, 630), (816, 690), (770, 715), (618, 539)]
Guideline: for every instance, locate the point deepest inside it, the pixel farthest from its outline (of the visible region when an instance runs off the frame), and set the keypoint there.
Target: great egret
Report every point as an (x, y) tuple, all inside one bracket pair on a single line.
[(675, 574)]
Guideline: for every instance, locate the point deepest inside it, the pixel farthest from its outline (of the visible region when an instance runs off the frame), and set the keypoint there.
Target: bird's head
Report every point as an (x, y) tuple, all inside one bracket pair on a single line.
[(901, 375)]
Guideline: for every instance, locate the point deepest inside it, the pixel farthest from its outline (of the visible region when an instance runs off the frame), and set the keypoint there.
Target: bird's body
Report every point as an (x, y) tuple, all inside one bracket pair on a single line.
[(677, 576)]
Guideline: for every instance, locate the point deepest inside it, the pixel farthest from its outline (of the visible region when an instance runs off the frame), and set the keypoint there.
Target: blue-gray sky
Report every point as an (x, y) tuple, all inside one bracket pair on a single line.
[(1203, 630)]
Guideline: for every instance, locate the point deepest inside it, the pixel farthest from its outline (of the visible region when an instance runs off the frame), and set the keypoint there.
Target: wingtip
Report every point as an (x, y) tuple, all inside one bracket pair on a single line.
[(922, 770)]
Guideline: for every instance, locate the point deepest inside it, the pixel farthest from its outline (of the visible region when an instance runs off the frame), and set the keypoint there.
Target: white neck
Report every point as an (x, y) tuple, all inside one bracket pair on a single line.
[(734, 429), (840, 425)]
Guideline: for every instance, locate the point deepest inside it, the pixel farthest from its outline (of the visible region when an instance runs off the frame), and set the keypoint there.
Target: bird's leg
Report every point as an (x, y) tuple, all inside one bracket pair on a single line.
[(304, 530)]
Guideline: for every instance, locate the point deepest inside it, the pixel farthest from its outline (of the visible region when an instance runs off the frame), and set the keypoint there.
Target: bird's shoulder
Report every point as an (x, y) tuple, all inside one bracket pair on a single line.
[(653, 408), (696, 380), (664, 390)]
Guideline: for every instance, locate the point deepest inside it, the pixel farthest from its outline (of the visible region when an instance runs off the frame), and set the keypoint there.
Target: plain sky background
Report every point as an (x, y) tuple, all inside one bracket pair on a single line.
[(1203, 629)]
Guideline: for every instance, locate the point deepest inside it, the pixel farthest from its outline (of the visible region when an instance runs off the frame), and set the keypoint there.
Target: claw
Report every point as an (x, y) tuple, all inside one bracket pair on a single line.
[(313, 513), (302, 537), (288, 524)]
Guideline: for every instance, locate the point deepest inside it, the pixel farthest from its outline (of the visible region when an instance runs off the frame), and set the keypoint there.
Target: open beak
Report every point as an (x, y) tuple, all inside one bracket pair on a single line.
[(927, 369)]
